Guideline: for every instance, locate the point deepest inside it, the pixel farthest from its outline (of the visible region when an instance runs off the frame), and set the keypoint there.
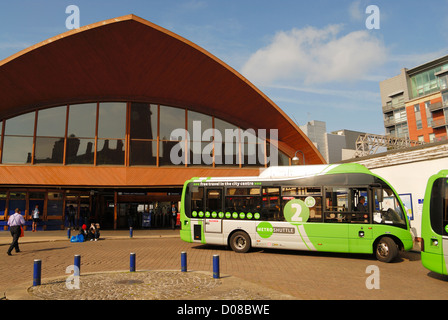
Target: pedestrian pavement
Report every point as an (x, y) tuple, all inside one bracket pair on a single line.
[(140, 285), (259, 275), (62, 235)]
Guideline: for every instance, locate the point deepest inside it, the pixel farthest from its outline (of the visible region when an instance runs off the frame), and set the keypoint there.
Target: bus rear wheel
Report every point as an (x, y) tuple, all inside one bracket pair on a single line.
[(386, 250), (240, 242)]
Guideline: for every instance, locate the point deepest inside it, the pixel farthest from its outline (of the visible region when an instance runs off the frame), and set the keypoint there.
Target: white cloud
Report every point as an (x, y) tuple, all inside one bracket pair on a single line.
[(316, 56), (355, 11)]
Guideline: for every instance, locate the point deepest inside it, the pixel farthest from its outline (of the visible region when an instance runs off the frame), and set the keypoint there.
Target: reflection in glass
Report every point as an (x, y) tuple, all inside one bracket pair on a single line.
[(55, 204), (112, 120), (206, 122), (82, 120), (143, 152), (226, 143), (110, 152), (51, 122), (252, 154), (200, 153), (19, 204), (80, 151), (171, 119), (17, 150), (21, 125), (165, 148), (49, 150), (143, 121)]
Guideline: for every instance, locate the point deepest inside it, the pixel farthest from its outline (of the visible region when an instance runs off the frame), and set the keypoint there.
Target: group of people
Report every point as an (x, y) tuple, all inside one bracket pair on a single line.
[(93, 234)]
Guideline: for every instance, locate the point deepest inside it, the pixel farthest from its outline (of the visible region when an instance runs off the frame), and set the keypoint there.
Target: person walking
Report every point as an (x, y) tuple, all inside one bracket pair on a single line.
[(15, 222)]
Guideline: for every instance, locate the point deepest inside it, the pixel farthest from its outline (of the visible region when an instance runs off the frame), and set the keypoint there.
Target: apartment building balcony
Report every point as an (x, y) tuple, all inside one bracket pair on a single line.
[(391, 107), (390, 122), (436, 106), (439, 123)]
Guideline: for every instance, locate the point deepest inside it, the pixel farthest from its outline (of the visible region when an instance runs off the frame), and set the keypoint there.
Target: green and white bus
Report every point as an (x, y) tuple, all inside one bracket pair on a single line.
[(332, 208), (434, 246)]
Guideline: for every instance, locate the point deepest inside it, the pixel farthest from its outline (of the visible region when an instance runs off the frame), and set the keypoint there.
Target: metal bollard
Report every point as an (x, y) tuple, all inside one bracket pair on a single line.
[(69, 233), (183, 261), (37, 272), (132, 262), (131, 232), (77, 263), (216, 266)]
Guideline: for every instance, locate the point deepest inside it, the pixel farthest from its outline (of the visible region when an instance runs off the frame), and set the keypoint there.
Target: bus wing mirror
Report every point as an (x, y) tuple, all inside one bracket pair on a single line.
[(379, 195)]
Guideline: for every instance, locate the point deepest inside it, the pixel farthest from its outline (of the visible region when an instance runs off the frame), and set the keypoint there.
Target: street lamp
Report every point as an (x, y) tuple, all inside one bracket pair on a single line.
[(296, 160)]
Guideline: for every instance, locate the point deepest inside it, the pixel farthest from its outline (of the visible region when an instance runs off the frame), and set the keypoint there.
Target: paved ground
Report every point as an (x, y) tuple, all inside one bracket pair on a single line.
[(259, 274)]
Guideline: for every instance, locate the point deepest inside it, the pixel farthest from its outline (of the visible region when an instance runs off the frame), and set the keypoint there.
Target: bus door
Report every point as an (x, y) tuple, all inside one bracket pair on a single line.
[(435, 231), (213, 206), (197, 212), (333, 235), (360, 227)]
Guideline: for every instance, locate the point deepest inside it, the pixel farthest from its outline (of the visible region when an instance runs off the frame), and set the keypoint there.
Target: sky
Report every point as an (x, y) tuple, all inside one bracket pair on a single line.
[(317, 60)]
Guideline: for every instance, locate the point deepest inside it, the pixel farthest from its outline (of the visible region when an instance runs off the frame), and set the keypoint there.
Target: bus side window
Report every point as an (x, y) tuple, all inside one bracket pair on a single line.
[(336, 204), (214, 200), (197, 199), (360, 200), (270, 204)]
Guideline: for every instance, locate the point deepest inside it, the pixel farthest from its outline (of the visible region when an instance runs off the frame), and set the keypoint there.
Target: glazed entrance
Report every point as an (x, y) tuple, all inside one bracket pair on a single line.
[(139, 210), (113, 209)]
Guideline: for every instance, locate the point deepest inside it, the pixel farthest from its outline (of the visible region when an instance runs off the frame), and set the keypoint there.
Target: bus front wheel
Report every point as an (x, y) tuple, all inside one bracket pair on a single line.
[(240, 242), (386, 249)]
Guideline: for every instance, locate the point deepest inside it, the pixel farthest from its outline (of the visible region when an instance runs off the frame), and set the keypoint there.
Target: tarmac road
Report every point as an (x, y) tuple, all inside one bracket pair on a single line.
[(267, 274)]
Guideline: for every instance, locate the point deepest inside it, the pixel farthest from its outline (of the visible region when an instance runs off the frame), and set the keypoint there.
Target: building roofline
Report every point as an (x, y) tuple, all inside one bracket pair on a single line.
[(427, 65), (101, 60)]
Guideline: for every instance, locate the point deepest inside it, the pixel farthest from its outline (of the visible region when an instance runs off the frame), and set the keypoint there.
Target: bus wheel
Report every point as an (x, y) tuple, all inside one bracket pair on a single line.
[(240, 242), (386, 249)]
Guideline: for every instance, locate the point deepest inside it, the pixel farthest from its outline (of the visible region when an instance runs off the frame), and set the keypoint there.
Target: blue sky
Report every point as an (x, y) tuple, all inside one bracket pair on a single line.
[(316, 60)]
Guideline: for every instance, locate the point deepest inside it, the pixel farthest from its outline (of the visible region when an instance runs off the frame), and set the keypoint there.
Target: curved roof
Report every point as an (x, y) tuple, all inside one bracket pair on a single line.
[(129, 58)]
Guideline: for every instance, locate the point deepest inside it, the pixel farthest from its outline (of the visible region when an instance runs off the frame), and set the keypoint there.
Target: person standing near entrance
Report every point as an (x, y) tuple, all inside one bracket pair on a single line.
[(71, 216), (173, 216), (35, 218), (15, 222)]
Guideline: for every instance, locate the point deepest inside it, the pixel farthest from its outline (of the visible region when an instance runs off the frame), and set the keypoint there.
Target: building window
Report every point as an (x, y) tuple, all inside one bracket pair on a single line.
[(100, 133), (425, 82), (50, 135), (18, 140), (418, 117), (111, 133), (81, 134), (172, 119), (143, 133), (419, 124), (200, 139), (428, 114)]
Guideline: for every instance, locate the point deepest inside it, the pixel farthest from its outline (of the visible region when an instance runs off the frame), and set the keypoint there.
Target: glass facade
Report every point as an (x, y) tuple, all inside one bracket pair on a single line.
[(132, 134), (426, 82)]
